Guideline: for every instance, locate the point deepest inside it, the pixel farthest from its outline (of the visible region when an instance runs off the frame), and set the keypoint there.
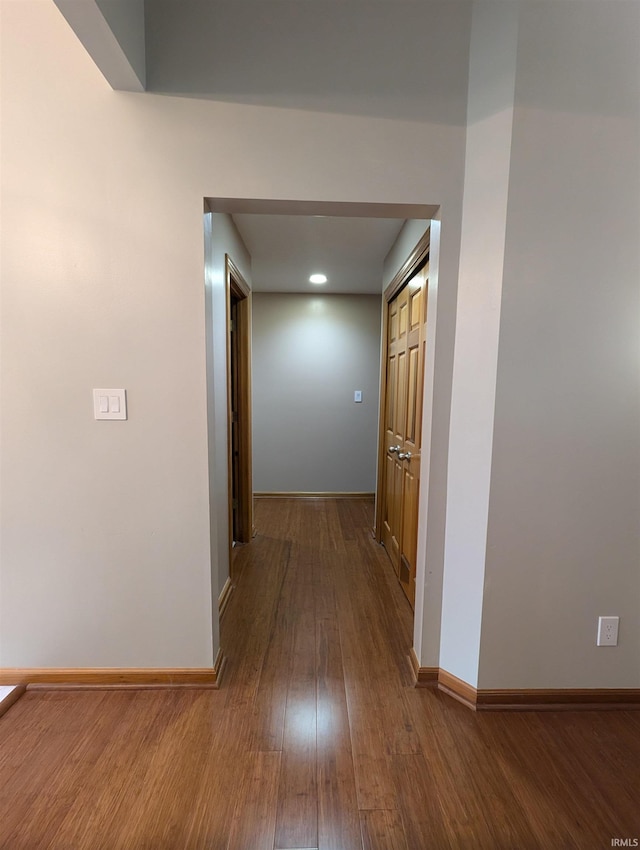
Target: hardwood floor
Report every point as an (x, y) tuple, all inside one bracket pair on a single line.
[(316, 738)]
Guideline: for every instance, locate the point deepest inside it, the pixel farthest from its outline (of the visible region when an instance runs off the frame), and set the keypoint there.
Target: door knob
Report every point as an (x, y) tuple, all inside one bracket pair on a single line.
[(394, 449), (404, 455)]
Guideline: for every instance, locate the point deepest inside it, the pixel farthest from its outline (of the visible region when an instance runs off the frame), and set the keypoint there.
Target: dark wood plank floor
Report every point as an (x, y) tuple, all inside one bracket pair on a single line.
[(316, 738)]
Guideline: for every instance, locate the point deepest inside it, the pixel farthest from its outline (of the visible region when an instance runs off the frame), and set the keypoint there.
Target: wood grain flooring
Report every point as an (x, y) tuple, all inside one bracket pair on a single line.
[(317, 737)]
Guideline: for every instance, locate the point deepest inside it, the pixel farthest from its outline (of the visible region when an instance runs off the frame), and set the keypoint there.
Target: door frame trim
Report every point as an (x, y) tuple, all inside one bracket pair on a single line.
[(237, 286), (411, 265)]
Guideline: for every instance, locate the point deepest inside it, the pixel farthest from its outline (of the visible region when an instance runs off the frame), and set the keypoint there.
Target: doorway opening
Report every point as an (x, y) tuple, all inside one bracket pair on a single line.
[(246, 297), (238, 330)]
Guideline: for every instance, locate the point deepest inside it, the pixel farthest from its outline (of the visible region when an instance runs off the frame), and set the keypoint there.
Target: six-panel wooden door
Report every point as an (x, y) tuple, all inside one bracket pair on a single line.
[(406, 338)]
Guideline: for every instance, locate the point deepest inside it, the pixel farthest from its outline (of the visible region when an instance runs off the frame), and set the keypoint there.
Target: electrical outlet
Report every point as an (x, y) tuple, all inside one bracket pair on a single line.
[(608, 631)]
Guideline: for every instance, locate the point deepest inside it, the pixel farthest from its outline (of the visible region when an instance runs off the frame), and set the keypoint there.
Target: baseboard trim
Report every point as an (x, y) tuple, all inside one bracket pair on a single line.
[(81, 678), (225, 596), (219, 666), (425, 677), (309, 495), (457, 688), (9, 699), (558, 699), (524, 699)]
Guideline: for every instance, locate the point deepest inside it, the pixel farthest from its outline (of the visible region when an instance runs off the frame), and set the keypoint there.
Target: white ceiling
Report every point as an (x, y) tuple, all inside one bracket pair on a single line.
[(286, 249)]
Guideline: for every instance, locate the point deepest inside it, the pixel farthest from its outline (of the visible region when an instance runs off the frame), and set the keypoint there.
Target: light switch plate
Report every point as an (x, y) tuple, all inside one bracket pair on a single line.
[(109, 404), (357, 396)]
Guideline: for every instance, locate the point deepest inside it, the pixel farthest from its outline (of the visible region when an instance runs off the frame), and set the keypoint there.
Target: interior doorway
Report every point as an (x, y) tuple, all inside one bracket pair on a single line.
[(240, 488), (242, 298), (401, 402)]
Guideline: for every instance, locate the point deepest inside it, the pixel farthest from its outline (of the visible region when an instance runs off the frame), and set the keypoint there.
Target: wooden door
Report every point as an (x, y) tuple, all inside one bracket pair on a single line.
[(406, 338)]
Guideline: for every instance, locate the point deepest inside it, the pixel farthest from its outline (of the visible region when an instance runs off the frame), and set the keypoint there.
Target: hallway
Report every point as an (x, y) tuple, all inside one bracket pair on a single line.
[(317, 737)]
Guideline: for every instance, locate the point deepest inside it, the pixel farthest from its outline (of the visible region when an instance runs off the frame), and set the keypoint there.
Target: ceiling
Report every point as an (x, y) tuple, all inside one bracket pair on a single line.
[(286, 249), (396, 59)]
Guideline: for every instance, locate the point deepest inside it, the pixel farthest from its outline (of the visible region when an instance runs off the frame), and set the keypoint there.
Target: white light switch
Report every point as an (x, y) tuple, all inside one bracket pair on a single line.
[(109, 404), (357, 395)]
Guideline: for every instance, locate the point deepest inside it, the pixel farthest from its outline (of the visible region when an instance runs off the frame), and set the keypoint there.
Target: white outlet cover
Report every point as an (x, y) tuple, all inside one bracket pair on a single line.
[(109, 404), (607, 631)]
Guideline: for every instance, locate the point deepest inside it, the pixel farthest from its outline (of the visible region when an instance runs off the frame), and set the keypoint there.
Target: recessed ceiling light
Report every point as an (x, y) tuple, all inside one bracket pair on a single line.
[(318, 278)]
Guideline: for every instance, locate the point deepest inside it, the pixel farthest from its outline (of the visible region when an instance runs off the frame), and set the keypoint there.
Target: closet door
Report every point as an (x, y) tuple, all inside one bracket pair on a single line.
[(406, 326)]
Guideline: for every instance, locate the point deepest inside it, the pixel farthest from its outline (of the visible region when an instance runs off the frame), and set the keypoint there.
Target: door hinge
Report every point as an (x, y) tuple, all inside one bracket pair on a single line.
[(232, 325), (234, 504)]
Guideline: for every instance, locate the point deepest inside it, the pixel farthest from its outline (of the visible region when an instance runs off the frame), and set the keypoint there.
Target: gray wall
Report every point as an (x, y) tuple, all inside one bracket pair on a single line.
[(221, 237), (310, 352), (403, 61), (127, 20), (564, 533)]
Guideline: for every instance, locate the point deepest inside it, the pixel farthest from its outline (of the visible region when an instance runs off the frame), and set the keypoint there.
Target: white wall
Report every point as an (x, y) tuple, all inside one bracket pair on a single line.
[(221, 237), (564, 536), (105, 544), (410, 234), (492, 72), (310, 352), (105, 550), (105, 555)]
